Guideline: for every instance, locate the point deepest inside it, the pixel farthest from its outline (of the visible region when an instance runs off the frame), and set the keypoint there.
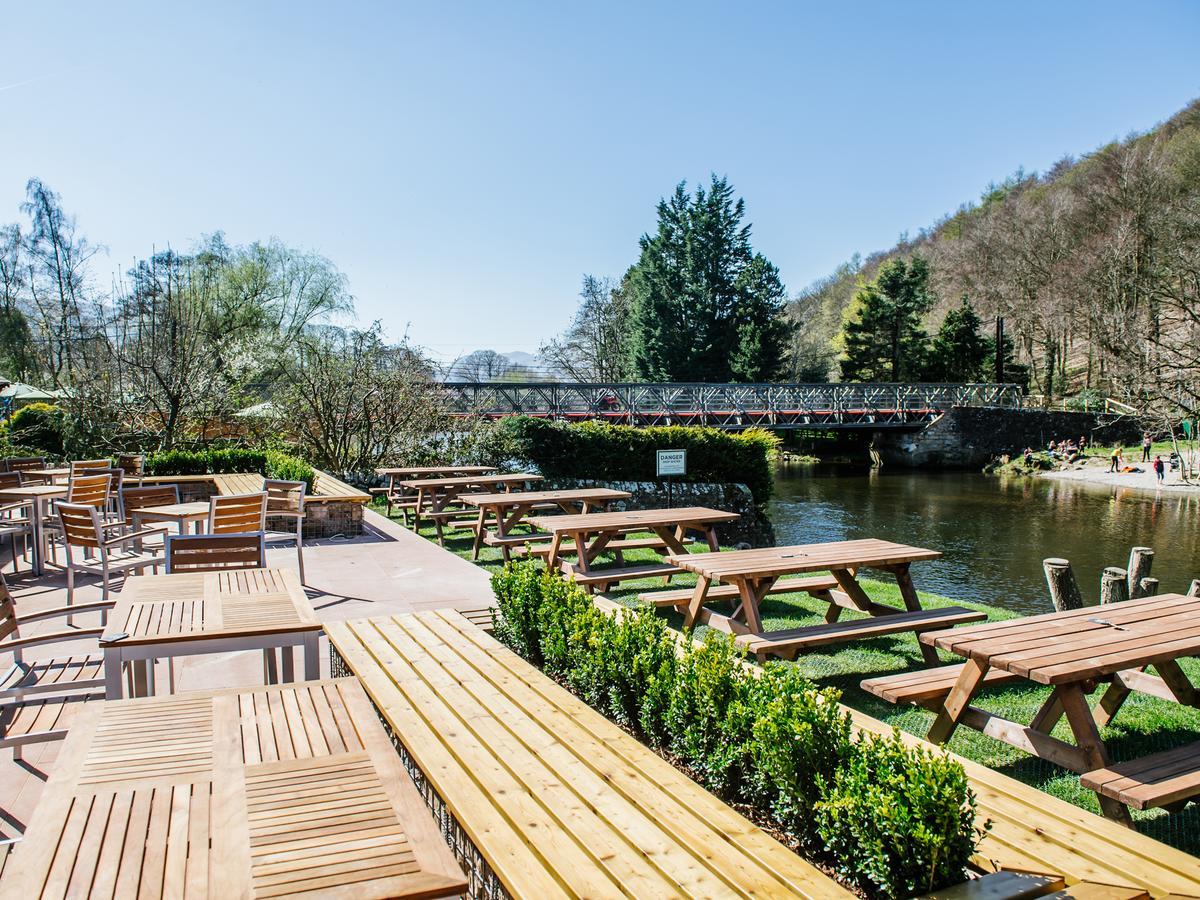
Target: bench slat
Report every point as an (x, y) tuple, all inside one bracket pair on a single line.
[(927, 684), (624, 573), (788, 643), (730, 591), (1159, 779)]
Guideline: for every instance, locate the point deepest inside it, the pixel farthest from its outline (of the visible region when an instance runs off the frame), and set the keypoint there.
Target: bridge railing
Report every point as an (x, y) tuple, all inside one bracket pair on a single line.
[(728, 405)]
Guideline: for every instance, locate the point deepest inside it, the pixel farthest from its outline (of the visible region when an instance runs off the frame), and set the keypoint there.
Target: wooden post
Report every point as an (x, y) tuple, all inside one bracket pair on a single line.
[(1140, 560), (1114, 587), (1148, 587), (1194, 588), (1064, 590)]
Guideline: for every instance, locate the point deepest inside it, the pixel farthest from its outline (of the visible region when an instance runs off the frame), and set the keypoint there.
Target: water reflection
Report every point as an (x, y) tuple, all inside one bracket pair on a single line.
[(994, 533)]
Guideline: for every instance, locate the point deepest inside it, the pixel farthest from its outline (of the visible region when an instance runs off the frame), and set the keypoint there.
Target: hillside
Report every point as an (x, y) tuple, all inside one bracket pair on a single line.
[(1094, 265)]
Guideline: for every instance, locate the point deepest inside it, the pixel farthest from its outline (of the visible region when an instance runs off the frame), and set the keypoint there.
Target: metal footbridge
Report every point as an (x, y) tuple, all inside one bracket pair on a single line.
[(732, 406)]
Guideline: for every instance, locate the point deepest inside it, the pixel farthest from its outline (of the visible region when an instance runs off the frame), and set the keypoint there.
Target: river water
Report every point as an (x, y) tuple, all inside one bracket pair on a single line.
[(993, 532)]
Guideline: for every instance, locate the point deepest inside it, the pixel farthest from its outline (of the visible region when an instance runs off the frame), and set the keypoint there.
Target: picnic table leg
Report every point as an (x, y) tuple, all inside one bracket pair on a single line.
[(479, 532), (1048, 715), (913, 604), (697, 601), (1183, 689), (418, 506), (1087, 738), (710, 533), (552, 562), (750, 592), (957, 701)]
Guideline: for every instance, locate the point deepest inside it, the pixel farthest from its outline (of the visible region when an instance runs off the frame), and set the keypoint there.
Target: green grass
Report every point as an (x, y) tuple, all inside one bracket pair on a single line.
[(1145, 724)]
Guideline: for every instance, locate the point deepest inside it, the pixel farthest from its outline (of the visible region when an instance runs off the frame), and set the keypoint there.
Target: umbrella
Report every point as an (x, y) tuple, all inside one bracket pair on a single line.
[(26, 393)]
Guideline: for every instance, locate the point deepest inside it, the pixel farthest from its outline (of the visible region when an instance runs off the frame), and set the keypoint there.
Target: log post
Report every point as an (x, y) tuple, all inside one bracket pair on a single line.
[(1114, 586), (1148, 587), (1140, 560), (1064, 590), (1194, 588)]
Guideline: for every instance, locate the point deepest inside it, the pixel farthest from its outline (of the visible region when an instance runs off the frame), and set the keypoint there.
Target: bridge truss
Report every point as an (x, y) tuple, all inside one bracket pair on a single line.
[(729, 406)]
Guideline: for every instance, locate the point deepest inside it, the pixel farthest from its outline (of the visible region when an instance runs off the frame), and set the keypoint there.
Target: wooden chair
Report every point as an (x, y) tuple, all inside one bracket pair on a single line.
[(79, 466), (134, 466), (285, 500), (25, 465), (87, 490), (135, 498), (212, 552), (237, 513), (16, 519), (41, 695), (102, 555)]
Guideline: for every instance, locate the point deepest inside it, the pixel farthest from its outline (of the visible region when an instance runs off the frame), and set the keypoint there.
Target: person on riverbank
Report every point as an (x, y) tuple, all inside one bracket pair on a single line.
[(1146, 443), (1114, 464), (1158, 468)]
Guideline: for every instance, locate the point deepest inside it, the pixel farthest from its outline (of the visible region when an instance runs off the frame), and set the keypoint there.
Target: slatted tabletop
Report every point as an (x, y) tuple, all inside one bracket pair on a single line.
[(634, 518), (800, 558), (433, 471), (466, 481), (272, 792), (508, 509), (172, 512), (522, 498)]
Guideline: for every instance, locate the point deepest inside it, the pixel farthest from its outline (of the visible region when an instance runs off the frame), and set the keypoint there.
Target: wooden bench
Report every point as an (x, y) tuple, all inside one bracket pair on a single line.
[(1002, 886), (618, 546), (556, 800), (1168, 779), (730, 591), (788, 644), (604, 578), (926, 685)]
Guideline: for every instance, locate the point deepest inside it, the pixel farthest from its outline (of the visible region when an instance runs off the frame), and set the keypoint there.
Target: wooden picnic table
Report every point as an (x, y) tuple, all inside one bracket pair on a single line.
[(188, 613), (406, 472), (1074, 652), (182, 514), (757, 573), (593, 532), (507, 509), (436, 495), (41, 495), (263, 792)]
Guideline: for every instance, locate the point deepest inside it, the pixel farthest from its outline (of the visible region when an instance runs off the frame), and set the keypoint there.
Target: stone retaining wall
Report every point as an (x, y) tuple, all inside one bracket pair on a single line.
[(322, 518)]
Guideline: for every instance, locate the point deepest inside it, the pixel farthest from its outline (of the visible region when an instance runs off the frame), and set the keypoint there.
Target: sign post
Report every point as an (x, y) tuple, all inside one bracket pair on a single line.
[(671, 462)]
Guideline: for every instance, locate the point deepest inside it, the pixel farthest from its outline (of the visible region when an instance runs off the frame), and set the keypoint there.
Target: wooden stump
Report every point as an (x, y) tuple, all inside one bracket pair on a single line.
[(1140, 560), (1114, 586), (1064, 590), (1148, 587)]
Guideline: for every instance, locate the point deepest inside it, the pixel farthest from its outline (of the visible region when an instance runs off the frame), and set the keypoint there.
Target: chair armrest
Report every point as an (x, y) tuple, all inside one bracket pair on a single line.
[(18, 505), (98, 606), (135, 535), (51, 637)]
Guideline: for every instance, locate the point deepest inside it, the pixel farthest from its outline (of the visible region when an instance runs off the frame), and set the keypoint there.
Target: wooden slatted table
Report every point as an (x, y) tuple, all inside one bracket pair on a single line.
[(188, 613), (435, 495), (1072, 652), (593, 532), (182, 514), (406, 472), (271, 792), (41, 495), (509, 508), (557, 800), (755, 573)]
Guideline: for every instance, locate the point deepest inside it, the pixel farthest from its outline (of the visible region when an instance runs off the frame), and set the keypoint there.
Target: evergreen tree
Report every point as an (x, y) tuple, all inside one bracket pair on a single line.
[(705, 305), (960, 353), (885, 341)]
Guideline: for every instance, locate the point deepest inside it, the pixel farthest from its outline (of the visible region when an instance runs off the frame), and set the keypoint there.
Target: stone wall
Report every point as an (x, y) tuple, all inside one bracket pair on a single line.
[(322, 518), (973, 436), (753, 528)]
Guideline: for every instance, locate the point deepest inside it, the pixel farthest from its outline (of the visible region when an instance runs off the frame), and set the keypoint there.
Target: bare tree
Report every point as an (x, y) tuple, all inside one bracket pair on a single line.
[(482, 365), (594, 346)]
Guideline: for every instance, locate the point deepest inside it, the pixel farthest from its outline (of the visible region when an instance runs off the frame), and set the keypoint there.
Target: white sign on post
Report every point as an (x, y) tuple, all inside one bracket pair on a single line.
[(672, 462)]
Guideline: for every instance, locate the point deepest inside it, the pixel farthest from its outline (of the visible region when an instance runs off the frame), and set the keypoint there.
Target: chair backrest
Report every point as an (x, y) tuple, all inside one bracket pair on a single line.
[(80, 524), (8, 610), (285, 496), (79, 466), (211, 552), (92, 490), (11, 480), (237, 513), (24, 463), (134, 464), (135, 498)]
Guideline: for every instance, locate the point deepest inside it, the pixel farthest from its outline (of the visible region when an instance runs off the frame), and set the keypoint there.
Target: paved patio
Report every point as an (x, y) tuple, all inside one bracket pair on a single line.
[(386, 570)]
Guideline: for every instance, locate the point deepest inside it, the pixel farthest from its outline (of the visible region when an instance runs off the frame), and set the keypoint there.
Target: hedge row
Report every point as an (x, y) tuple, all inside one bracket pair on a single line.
[(595, 450), (892, 820), (269, 463)]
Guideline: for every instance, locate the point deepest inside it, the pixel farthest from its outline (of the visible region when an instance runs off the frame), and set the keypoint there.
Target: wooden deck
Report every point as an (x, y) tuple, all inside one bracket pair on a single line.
[(326, 488)]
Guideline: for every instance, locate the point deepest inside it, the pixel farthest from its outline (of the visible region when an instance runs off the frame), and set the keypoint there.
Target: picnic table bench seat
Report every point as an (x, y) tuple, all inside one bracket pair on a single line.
[(619, 545), (927, 685), (602, 578), (791, 642), (813, 585), (1165, 779), (543, 793)]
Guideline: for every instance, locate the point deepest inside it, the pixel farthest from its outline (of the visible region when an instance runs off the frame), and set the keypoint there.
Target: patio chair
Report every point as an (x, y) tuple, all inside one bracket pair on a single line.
[(237, 513), (79, 466), (40, 696), (88, 490), (102, 555), (16, 518), (285, 500), (213, 552), (25, 465), (134, 466)]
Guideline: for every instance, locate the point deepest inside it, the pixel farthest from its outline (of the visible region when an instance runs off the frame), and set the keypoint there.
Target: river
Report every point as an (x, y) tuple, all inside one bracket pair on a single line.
[(993, 532)]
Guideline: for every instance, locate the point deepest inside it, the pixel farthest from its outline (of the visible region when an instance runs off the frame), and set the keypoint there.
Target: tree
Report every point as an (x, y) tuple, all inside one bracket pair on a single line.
[(705, 305), (884, 340), (595, 347), (482, 365), (960, 352)]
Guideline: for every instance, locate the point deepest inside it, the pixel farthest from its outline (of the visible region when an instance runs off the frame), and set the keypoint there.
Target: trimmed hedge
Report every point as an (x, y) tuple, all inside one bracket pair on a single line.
[(595, 450), (892, 820), (268, 463)]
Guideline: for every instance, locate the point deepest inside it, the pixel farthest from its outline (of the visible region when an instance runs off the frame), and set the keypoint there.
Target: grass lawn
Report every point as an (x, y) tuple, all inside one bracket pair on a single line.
[(1144, 725)]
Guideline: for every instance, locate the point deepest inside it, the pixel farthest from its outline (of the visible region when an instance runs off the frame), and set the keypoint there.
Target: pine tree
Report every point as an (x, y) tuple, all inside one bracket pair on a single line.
[(960, 353), (885, 340), (706, 306)]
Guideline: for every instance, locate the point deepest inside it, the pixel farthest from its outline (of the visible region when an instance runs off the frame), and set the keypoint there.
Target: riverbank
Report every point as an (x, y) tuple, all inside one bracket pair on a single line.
[(1095, 471)]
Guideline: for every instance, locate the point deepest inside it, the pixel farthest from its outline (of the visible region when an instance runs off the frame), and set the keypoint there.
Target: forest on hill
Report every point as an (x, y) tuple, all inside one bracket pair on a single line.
[(1094, 267)]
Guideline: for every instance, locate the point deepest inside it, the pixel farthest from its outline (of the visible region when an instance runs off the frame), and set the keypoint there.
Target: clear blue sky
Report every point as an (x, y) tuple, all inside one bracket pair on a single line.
[(465, 163)]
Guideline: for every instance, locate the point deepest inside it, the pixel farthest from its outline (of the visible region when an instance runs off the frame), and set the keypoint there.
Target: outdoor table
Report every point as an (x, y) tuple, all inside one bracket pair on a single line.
[(1072, 652), (41, 495), (403, 473), (50, 476), (283, 790), (508, 509), (669, 525), (190, 613), (181, 514), (439, 493)]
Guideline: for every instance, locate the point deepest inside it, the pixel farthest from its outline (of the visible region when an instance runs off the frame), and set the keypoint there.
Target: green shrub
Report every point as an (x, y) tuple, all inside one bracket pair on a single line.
[(518, 598), (178, 462), (601, 452), (38, 427), (641, 666), (288, 468), (897, 820)]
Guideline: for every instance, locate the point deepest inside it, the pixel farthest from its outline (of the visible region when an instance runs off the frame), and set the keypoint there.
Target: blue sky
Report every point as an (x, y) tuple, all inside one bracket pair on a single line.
[(465, 163)]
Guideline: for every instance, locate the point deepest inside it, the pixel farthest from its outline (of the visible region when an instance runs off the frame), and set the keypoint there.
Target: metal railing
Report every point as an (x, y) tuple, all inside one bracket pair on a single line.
[(728, 405)]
